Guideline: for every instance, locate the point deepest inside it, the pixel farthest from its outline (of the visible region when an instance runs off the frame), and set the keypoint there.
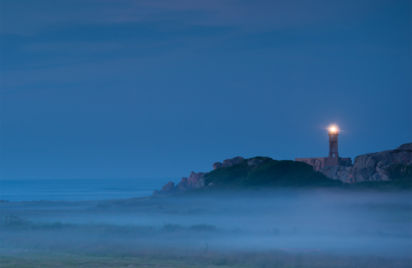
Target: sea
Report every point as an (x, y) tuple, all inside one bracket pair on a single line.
[(77, 189)]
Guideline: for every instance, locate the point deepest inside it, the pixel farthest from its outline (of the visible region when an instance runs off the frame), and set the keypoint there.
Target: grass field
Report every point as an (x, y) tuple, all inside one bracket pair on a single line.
[(28, 259), (283, 229)]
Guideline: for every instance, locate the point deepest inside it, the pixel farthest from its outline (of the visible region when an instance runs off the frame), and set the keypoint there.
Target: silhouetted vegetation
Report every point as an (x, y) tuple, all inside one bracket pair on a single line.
[(268, 173)]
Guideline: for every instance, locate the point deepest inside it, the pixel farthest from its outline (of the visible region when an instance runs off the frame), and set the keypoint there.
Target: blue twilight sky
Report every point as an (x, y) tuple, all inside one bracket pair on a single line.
[(157, 88)]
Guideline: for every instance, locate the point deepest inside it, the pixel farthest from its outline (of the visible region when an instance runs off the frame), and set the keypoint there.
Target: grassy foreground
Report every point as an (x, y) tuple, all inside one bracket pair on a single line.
[(208, 260)]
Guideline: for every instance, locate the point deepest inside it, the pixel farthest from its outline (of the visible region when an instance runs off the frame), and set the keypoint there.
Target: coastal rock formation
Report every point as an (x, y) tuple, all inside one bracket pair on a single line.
[(266, 172), (377, 166), (168, 187), (228, 162), (369, 167), (194, 181), (321, 163), (341, 172), (253, 172)]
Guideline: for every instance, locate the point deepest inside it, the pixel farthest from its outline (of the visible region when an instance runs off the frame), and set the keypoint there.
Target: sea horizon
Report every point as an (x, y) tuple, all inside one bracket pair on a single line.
[(93, 189)]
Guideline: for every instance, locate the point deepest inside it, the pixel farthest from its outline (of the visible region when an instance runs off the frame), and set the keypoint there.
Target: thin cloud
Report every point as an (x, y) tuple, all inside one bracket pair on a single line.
[(28, 17)]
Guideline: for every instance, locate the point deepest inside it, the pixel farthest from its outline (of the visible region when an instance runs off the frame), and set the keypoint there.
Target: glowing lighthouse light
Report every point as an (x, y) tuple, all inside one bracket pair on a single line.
[(333, 129), (333, 144)]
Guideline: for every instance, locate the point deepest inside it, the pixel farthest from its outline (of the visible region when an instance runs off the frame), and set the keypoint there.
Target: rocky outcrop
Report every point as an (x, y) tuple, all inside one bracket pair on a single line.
[(168, 187), (228, 162), (376, 166), (342, 173), (325, 163), (194, 181), (369, 167)]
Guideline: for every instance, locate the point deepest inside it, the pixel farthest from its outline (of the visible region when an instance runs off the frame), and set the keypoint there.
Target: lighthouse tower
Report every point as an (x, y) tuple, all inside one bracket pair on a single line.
[(333, 158), (332, 162)]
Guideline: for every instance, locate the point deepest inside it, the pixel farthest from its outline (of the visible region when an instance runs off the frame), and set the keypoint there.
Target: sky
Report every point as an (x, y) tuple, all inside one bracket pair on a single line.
[(158, 88)]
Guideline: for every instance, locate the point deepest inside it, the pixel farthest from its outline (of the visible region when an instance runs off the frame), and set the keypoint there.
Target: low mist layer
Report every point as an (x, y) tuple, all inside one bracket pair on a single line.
[(317, 225)]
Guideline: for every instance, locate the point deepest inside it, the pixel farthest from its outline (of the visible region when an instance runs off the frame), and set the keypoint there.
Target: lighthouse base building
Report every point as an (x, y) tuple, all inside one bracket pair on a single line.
[(332, 166), (319, 163)]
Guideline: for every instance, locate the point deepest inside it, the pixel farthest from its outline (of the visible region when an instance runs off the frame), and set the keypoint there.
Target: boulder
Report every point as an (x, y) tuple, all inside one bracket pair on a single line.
[(217, 165)]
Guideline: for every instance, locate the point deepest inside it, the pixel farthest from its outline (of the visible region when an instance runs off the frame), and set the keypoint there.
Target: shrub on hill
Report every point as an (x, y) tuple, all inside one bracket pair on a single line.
[(267, 173)]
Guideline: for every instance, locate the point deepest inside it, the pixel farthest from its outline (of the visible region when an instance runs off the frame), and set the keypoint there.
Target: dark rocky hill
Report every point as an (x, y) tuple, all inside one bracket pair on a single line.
[(392, 168), (256, 172)]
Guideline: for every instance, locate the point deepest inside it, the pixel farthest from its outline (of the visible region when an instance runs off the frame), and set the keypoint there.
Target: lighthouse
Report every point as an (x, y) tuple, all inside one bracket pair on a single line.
[(333, 158)]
